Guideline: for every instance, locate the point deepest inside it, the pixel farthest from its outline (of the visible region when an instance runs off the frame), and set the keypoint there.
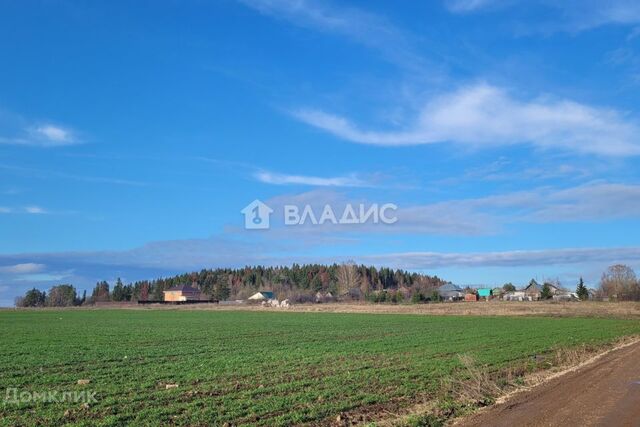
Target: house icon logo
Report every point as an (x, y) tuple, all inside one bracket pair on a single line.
[(256, 215)]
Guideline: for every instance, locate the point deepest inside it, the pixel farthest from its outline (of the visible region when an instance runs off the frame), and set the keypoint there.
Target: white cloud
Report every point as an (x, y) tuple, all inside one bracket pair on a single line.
[(52, 136), (45, 135), (54, 133), (282, 179), (32, 210), (485, 115), (37, 210), (25, 268)]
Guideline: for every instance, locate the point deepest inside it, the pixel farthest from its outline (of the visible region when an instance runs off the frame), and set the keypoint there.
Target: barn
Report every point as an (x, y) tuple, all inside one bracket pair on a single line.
[(182, 293)]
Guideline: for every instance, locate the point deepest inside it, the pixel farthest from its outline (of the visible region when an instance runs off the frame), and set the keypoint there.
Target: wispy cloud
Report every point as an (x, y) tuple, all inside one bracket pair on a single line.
[(25, 268), (55, 134), (480, 216), (46, 174), (421, 260), (30, 210), (485, 115), (351, 180), (17, 130), (463, 6), (591, 202), (360, 26), (44, 136), (37, 210), (571, 15)]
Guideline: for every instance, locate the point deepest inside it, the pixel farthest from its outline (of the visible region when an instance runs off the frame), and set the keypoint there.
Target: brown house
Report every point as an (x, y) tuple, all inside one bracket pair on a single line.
[(182, 293)]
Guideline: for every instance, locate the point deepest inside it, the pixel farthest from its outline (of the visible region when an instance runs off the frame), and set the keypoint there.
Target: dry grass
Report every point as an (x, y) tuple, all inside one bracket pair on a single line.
[(623, 310), (477, 387)]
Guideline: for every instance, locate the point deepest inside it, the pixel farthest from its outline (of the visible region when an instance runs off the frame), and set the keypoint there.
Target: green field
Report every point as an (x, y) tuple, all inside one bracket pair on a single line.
[(262, 368)]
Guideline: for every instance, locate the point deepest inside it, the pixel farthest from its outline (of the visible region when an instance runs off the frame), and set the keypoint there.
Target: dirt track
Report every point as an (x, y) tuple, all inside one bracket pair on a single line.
[(604, 393)]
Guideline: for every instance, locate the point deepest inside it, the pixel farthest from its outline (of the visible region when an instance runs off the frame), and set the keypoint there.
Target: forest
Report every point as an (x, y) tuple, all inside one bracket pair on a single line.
[(299, 283)]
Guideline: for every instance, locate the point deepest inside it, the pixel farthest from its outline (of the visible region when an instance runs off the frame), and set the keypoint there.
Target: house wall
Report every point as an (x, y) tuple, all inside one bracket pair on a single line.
[(173, 296)]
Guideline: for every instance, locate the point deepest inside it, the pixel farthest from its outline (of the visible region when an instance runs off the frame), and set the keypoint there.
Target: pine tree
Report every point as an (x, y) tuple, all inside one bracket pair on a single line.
[(118, 293), (546, 292), (582, 291)]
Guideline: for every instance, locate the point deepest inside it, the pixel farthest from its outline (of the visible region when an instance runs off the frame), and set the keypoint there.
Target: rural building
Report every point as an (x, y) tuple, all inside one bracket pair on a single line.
[(532, 291), (182, 293), (515, 296), (262, 296), (451, 292), (485, 293), (566, 296), (471, 297)]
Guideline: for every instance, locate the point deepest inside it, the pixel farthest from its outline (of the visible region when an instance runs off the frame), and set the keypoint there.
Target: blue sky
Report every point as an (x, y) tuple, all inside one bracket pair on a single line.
[(131, 136)]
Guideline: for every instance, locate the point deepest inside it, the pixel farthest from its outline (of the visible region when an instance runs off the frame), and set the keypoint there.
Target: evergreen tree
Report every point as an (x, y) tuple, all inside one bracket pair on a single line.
[(582, 291), (546, 292), (100, 292), (33, 298), (118, 293), (508, 287)]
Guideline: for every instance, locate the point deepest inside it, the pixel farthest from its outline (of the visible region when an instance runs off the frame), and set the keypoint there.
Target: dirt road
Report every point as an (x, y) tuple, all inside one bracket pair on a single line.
[(605, 393)]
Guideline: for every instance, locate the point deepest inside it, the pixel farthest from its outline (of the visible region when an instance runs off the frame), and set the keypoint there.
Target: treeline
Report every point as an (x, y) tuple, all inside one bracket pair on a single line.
[(58, 296), (298, 283)]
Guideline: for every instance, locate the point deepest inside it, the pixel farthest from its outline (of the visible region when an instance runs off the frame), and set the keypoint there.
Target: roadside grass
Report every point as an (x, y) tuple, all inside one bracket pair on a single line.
[(272, 368)]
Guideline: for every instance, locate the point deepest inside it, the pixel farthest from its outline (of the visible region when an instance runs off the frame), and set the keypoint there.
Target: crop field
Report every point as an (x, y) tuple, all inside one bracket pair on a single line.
[(186, 367)]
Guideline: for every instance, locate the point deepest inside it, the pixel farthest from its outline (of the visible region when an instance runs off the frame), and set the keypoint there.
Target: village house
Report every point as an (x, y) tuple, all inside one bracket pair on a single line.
[(182, 293), (533, 292), (262, 296), (451, 292)]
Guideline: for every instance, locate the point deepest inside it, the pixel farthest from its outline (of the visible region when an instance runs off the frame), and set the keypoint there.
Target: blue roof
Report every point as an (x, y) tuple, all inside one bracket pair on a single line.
[(267, 294)]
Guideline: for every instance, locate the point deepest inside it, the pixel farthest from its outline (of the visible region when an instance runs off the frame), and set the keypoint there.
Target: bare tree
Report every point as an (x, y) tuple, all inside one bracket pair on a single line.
[(619, 281), (348, 278)]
